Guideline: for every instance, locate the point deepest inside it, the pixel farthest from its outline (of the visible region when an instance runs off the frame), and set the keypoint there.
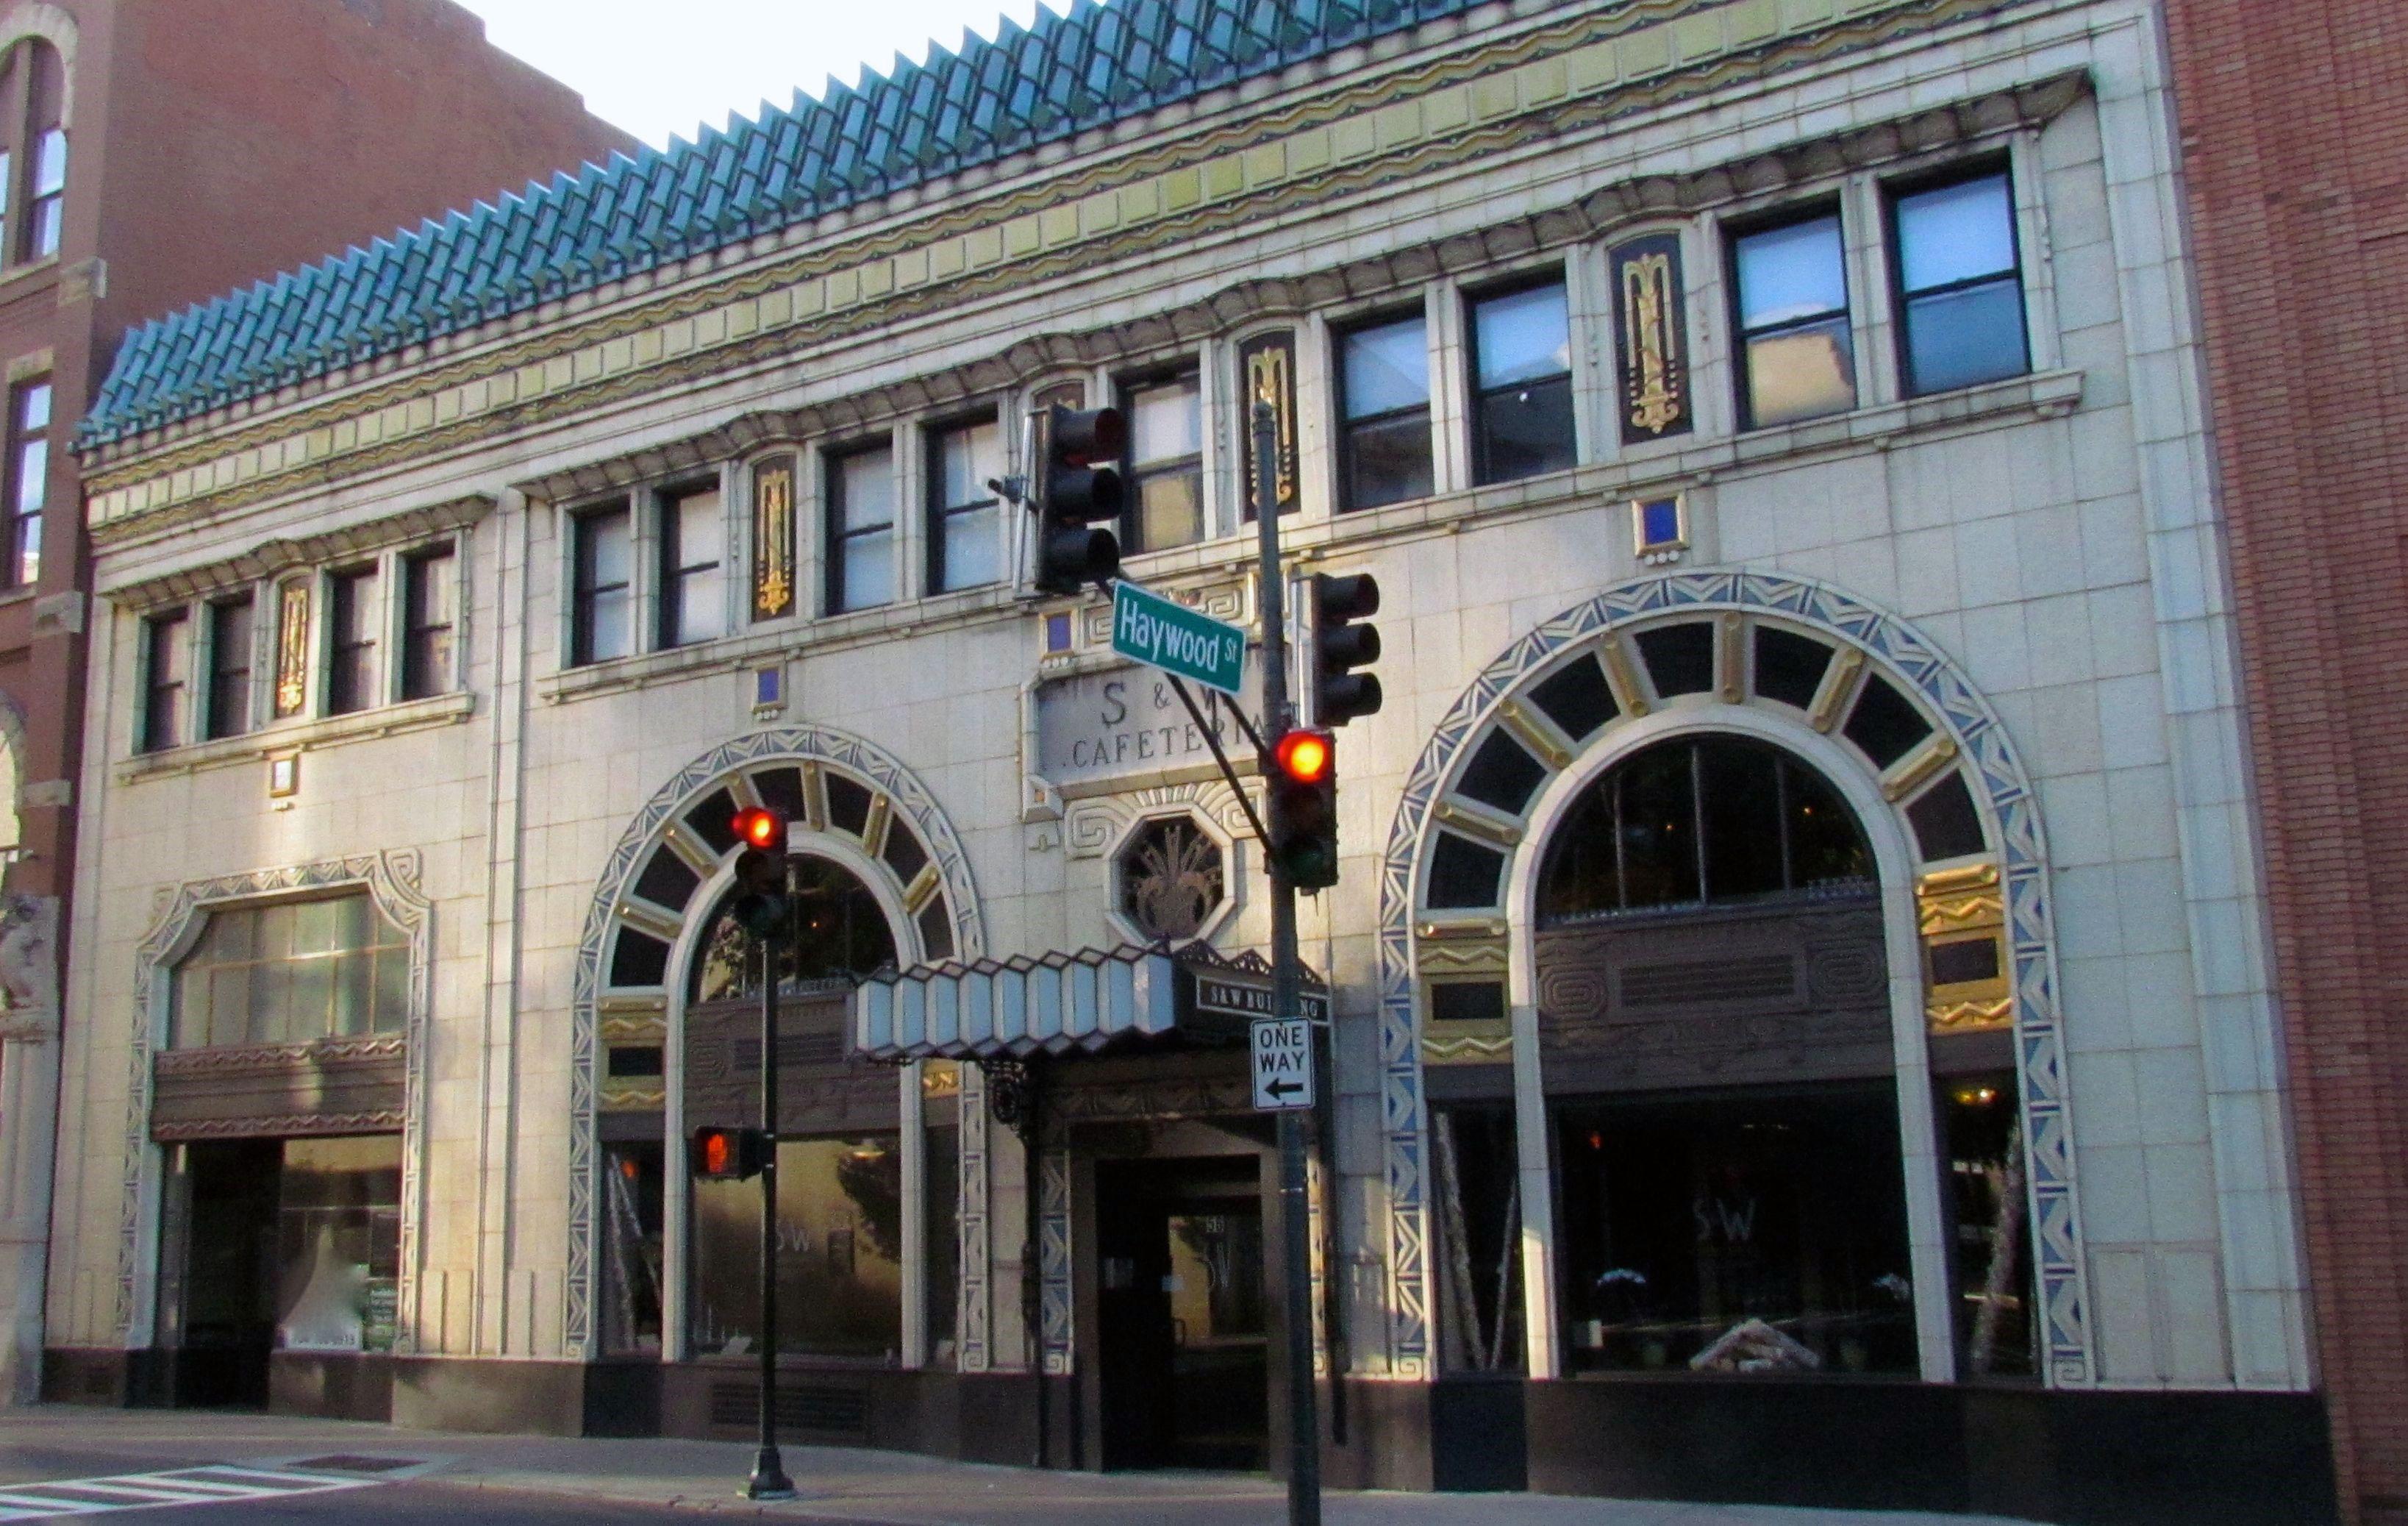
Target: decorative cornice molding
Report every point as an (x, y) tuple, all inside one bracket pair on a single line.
[(280, 1057), (271, 557)]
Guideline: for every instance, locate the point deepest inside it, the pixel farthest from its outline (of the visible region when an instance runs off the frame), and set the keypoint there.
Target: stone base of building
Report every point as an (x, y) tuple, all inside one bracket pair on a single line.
[(2083, 1458)]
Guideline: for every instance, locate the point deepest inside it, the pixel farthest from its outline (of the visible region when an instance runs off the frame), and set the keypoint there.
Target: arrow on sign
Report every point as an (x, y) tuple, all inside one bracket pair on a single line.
[(1286, 1088)]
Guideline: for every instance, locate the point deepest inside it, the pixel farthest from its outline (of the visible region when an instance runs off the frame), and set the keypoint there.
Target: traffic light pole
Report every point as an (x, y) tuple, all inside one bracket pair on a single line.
[(1288, 986), (768, 1481)]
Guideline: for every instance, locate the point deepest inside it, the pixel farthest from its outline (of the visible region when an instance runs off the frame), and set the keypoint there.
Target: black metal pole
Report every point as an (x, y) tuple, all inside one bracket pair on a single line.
[(768, 1481), (1296, 1218)]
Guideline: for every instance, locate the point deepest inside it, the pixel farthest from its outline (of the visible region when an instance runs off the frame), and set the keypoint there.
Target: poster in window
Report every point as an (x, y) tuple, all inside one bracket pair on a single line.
[(1267, 373), (1652, 376), (773, 539)]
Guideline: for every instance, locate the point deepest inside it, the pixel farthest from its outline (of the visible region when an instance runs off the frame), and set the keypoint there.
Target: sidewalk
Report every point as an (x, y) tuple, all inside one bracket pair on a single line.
[(834, 1483)]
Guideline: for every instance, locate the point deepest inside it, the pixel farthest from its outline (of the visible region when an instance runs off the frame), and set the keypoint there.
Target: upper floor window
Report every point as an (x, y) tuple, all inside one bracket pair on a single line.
[(602, 577), (46, 210), (1796, 358), (351, 641), (32, 148), (231, 634), (28, 479), (694, 578), (1960, 294), (1384, 409), (293, 972), (965, 518), (168, 664), (429, 617), (861, 529), (1165, 462), (1521, 383)]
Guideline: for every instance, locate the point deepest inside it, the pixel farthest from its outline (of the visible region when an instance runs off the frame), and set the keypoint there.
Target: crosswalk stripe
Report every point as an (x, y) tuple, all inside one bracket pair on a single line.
[(218, 1483)]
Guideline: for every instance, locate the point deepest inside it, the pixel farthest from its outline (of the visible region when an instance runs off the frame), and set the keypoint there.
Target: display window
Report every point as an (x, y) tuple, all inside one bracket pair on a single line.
[(839, 1263)]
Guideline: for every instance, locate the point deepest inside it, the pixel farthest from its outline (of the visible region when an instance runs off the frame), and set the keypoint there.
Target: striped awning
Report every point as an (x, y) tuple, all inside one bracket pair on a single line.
[(1134, 995)]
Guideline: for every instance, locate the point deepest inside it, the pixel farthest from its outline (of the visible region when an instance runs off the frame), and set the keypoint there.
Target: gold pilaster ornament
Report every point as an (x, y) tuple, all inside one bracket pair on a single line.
[(292, 647), (1269, 361), (1655, 371), (773, 539)]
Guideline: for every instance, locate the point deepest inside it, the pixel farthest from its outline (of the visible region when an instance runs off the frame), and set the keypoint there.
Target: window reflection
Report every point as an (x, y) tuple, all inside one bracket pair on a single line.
[(290, 973), (1963, 298), (839, 932), (1384, 442), (1522, 407), (840, 1262), (1796, 357)]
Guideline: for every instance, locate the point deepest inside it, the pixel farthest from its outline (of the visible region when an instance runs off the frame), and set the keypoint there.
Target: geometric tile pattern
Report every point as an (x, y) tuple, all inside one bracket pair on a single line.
[(1910, 659), (865, 760), (392, 880)]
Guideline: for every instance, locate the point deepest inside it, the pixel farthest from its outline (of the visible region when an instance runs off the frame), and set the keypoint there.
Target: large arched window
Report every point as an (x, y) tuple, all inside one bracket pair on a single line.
[(1701, 820), (836, 932)]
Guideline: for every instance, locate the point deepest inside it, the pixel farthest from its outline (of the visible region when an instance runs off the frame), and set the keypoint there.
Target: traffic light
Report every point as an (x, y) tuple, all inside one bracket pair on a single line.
[(760, 905), (1304, 809), (728, 1155), (1344, 640), (1073, 489)]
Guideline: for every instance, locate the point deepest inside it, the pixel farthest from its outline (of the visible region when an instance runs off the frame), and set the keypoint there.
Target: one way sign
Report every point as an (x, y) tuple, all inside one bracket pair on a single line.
[(1283, 1049)]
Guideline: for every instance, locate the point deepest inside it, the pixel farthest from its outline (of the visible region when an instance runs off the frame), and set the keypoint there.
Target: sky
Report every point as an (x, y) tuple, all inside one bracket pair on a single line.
[(721, 55)]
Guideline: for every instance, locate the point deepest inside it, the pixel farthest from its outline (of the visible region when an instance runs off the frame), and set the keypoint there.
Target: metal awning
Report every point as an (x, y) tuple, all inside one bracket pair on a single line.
[(1131, 996)]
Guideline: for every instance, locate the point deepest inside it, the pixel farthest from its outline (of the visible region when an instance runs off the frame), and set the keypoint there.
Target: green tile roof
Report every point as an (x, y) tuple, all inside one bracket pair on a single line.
[(1096, 64)]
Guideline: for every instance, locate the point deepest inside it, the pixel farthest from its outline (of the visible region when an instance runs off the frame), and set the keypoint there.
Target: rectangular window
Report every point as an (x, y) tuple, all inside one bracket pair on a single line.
[(965, 518), (46, 212), (28, 481), (429, 617), (1961, 291), (1383, 408), (1796, 358), (1165, 463), (604, 574), (694, 558), (1521, 383), (230, 646), (861, 529), (293, 972), (352, 647), (167, 665)]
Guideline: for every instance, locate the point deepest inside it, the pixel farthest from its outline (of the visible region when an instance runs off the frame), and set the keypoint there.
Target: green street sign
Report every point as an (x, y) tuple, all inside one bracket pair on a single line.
[(1170, 636)]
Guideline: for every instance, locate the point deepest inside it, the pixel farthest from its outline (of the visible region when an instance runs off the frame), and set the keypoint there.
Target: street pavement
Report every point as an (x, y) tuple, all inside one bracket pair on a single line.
[(61, 1460)]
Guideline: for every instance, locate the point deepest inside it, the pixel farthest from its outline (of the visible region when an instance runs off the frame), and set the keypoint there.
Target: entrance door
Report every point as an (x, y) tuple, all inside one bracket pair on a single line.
[(230, 1274), (1184, 1332)]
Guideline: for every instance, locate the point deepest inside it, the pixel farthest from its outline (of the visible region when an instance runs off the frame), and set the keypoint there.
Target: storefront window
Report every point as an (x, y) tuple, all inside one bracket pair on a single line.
[(1753, 1232), (1990, 1250), (944, 1254), (837, 934), (339, 1243), (631, 1266), (293, 972), (840, 1262), (1480, 1225)]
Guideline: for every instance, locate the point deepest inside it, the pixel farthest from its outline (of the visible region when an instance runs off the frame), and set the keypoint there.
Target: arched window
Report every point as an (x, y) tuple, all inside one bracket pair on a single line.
[(837, 934), (32, 148), (1701, 820)]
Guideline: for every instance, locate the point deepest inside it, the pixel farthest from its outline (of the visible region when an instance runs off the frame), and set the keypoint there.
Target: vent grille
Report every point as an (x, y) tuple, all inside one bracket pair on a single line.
[(825, 1048), (1694, 981), (821, 1408)]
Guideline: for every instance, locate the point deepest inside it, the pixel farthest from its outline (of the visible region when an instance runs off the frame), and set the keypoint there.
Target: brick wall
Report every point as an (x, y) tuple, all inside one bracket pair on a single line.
[(2295, 131)]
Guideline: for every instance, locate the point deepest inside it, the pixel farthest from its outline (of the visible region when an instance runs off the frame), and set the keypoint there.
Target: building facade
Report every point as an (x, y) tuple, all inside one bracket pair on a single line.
[(2296, 135), (155, 154), (1799, 1021)]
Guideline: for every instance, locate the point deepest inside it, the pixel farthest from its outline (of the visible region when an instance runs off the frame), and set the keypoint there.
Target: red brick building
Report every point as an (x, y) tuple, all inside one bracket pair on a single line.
[(2295, 130), (153, 152)]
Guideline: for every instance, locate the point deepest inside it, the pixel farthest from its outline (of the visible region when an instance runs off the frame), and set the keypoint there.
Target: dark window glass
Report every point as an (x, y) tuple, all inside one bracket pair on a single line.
[(937, 931), (1522, 384), (46, 151), (1797, 359), (840, 1276), (1463, 873), (1467, 1002), (1989, 1250), (46, 214), (713, 820), (605, 570), (1502, 773), (351, 611), (1945, 824), (782, 790), (1965, 960), (964, 517), (230, 638), (1760, 1231), (1789, 667), (1714, 818), (633, 1179), (861, 529), (1680, 659), (666, 881), (28, 479), (1577, 698), (638, 959), (694, 569), (848, 804), (429, 618), (836, 932), (167, 663), (1165, 463), (904, 855), (1883, 723), (1479, 1192), (1961, 291), (293, 972), (944, 1239), (636, 1061), (1383, 413)]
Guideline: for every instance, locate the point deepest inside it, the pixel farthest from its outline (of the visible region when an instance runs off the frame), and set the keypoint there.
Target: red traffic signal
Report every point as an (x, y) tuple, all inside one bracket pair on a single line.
[(728, 1155), (1306, 756), (758, 826), (1304, 809)]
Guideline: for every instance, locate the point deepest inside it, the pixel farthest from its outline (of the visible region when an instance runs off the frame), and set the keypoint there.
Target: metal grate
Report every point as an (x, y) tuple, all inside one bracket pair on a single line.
[(821, 1408), (1695, 981), (348, 1462)]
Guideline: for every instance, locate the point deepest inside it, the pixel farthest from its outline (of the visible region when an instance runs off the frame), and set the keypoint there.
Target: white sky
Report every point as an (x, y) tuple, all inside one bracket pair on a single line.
[(657, 69)]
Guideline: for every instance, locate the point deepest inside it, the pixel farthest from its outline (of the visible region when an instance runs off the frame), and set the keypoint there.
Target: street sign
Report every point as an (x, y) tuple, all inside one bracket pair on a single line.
[(1283, 1064), (1162, 633)]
